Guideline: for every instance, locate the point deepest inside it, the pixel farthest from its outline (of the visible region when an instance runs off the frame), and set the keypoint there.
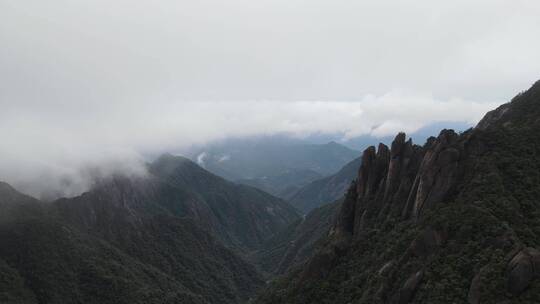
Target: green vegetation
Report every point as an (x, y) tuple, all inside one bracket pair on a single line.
[(327, 189), (176, 236)]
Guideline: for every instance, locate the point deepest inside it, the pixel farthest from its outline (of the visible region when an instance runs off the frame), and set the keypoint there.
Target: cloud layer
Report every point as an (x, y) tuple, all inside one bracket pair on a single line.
[(96, 84)]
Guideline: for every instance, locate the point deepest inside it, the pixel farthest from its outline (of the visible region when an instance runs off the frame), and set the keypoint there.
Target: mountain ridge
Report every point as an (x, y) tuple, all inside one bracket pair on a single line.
[(138, 239), (452, 221)]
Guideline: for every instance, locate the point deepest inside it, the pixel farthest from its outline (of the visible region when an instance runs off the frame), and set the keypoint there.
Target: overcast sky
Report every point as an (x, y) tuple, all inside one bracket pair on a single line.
[(98, 82)]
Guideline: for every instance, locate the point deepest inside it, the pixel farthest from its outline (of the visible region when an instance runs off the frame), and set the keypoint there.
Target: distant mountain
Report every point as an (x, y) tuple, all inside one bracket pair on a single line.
[(325, 190), (175, 236), (274, 163), (283, 185), (456, 220), (363, 141)]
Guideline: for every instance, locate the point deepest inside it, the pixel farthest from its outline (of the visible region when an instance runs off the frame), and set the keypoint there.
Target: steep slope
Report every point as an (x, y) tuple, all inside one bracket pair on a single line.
[(42, 261), (293, 246), (158, 238), (11, 202), (325, 190), (94, 249), (241, 216), (454, 221)]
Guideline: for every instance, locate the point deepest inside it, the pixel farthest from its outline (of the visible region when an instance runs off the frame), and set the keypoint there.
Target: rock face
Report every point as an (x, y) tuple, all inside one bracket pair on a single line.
[(473, 297), (492, 117), (522, 269), (409, 288), (405, 180)]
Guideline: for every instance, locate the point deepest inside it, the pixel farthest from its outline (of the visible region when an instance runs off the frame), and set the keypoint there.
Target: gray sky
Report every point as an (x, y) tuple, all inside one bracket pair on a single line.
[(87, 83)]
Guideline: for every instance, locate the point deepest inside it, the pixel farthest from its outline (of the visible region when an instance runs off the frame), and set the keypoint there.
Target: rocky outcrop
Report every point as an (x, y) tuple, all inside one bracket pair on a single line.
[(473, 297), (406, 292), (492, 117), (438, 172), (402, 181), (522, 269), (394, 184)]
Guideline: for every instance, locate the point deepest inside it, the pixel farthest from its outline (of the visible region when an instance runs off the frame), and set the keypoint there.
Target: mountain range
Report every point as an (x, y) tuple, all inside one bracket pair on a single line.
[(453, 220), (177, 235), (279, 165)]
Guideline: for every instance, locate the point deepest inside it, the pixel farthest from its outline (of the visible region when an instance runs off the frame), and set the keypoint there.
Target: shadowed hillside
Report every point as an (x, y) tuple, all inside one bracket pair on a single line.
[(173, 236), (325, 190)]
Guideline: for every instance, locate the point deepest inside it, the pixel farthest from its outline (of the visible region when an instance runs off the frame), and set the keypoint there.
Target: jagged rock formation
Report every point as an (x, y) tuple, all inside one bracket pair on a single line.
[(403, 180), (456, 220)]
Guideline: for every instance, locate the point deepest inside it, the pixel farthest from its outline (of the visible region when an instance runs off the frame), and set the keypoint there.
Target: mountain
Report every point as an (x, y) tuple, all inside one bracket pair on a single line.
[(177, 235), (456, 220), (240, 215), (128, 258), (325, 190), (272, 163)]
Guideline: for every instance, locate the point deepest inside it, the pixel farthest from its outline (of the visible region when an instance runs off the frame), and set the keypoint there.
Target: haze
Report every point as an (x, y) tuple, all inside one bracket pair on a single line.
[(97, 84)]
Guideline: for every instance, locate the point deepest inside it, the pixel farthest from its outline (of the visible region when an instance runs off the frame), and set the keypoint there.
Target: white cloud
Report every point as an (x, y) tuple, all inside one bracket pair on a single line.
[(200, 159)]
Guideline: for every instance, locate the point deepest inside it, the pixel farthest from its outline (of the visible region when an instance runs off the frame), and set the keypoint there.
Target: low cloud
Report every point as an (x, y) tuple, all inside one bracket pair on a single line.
[(58, 151)]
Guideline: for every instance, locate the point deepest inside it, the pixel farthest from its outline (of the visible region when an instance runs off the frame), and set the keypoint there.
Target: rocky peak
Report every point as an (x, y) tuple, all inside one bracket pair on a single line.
[(372, 170), (401, 181), (492, 117), (437, 174)]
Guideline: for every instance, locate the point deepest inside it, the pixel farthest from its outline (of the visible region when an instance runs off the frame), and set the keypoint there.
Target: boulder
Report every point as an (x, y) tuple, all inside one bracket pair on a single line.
[(385, 268), (473, 296), (406, 292), (522, 269)]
